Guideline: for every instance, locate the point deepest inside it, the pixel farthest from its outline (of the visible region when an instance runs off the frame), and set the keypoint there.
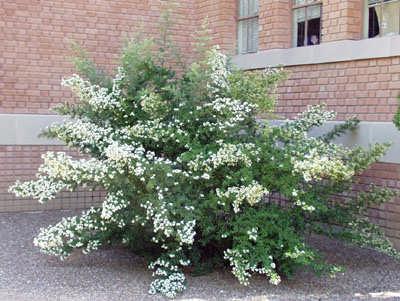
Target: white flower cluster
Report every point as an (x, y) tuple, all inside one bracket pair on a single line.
[(42, 189), (99, 98), (119, 153), (71, 233), (253, 234), (315, 167), (152, 104), (135, 160), (170, 280), (183, 231), (314, 116), (158, 131), (160, 217), (302, 204), (227, 155), (296, 253), (186, 232), (61, 167), (272, 71), (82, 133), (59, 172), (238, 108), (117, 82), (252, 194), (242, 268), (113, 203), (230, 113), (218, 63)]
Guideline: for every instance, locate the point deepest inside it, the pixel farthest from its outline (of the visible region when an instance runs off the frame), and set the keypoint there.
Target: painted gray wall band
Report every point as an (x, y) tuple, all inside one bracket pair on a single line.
[(366, 134), (23, 129), (337, 51)]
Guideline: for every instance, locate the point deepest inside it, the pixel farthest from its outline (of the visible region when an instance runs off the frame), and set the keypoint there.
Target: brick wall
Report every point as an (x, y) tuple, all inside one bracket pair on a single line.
[(221, 16), (341, 20), (365, 88), (34, 55), (275, 24), (36, 36), (22, 162), (388, 215)]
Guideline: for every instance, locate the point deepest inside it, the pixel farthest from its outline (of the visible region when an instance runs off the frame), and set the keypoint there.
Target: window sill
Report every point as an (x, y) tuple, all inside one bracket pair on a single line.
[(337, 51)]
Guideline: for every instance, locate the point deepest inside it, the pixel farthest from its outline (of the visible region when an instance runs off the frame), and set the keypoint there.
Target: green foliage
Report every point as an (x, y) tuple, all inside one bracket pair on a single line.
[(340, 129), (396, 118), (267, 235), (191, 176), (84, 65), (256, 86)]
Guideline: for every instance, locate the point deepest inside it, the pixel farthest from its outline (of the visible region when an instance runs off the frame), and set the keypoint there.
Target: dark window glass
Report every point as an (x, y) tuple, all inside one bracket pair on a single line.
[(301, 31), (373, 24), (306, 24), (314, 31)]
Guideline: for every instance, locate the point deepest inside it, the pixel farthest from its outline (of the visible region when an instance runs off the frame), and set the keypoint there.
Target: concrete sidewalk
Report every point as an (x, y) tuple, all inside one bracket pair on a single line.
[(116, 274)]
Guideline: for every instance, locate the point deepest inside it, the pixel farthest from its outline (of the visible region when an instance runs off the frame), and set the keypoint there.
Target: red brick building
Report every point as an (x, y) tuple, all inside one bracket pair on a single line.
[(343, 53)]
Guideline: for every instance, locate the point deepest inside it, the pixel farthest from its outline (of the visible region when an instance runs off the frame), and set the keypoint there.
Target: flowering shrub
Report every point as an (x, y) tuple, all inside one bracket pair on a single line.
[(192, 177)]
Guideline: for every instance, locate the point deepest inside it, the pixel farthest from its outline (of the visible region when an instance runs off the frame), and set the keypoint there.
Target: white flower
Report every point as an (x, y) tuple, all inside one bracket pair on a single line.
[(98, 97), (253, 234), (252, 194)]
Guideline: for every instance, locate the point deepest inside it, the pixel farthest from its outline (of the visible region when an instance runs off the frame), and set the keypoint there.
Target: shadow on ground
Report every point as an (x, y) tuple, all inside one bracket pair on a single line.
[(115, 274)]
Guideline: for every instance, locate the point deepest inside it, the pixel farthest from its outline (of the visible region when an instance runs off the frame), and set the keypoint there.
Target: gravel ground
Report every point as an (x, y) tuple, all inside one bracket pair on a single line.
[(115, 274)]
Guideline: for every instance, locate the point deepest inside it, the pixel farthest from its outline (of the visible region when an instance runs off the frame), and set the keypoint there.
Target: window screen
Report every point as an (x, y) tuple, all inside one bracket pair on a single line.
[(383, 18), (248, 26)]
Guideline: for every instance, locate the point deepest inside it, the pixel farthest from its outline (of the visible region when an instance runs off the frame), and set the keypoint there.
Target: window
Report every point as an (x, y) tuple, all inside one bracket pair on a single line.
[(383, 18), (306, 22), (248, 26)]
